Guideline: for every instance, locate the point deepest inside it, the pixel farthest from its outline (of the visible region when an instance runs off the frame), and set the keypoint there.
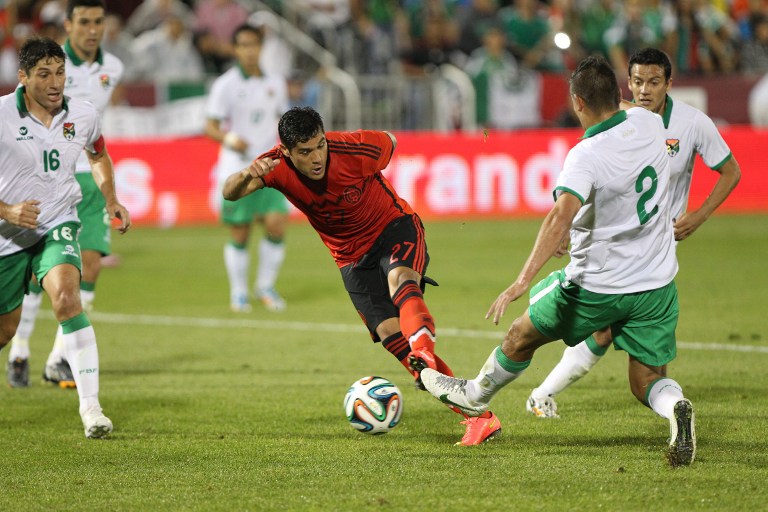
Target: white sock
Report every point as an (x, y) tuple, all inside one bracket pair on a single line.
[(271, 257), (58, 353), (19, 348), (86, 299), (237, 262), (20, 342), (83, 357), (29, 309), (492, 378), (663, 395), (576, 362)]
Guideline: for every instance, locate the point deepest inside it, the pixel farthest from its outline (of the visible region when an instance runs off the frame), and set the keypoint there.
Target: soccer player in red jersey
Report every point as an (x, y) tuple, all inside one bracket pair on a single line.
[(375, 237)]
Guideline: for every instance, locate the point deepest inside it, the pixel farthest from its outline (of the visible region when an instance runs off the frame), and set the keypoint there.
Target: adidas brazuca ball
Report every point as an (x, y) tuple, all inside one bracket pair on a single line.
[(373, 405)]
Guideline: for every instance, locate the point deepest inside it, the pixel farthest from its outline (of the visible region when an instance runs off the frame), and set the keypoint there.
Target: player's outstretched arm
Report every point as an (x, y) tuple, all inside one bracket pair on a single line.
[(689, 222), (553, 230), (104, 174), (22, 214), (248, 180)]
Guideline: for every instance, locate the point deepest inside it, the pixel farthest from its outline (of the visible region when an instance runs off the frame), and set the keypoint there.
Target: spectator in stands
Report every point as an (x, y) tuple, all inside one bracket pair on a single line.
[(166, 54), (596, 20), (9, 56), (754, 53), (630, 32), (151, 13), (303, 90), (369, 49), (215, 22), (475, 18), (276, 55), (325, 19), (701, 39), (507, 94), (118, 42), (530, 36), (426, 53)]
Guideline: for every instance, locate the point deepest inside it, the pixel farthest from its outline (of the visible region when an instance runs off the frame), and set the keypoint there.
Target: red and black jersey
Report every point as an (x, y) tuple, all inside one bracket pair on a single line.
[(353, 202)]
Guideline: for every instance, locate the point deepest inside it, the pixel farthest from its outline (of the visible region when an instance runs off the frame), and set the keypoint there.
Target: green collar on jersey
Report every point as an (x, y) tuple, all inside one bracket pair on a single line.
[(77, 60), (21, 105), (667, 111), (667, 115), (615, 119), (245, 74)]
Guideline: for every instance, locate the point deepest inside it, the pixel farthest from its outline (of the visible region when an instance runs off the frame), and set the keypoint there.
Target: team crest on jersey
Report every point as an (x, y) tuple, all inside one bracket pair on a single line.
[(673, 146), (69, 131), (104, 81), (352, 195)]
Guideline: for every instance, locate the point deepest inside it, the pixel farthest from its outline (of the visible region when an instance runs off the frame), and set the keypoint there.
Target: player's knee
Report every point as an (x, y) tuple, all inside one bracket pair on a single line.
[(66, 303)]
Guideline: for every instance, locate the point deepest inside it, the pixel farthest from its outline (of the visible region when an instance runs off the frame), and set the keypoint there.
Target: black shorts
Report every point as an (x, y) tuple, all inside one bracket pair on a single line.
[(401, 244)]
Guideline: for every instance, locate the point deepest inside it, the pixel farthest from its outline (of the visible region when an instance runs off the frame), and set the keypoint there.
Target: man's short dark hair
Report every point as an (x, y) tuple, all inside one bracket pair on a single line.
[(594, 81), (651, 57), (74, 4), (245, 27), (36, 49), (299, 125)]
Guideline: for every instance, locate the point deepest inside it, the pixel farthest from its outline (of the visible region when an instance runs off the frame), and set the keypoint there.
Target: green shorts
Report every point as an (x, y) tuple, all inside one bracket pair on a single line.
[(57, 247), (643, 323), (257, 204), (96, 234)]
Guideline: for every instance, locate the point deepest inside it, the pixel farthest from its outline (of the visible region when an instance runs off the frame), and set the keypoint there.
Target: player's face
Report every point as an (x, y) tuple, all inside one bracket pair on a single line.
[(45, 84), (309, 158), (85, 30), (248, 50), (649, 87)]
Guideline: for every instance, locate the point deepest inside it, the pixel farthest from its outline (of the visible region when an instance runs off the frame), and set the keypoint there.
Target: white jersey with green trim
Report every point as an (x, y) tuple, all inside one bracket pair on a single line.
[(94, 82), (251, 107), (622, 237), (38, 163), (689, 132)]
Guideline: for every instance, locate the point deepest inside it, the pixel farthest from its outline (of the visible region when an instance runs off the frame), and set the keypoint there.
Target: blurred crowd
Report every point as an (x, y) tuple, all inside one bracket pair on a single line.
[(190, 40)]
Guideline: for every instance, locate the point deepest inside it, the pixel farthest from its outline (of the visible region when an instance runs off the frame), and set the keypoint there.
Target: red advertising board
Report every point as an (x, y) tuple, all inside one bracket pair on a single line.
[(499, 174)]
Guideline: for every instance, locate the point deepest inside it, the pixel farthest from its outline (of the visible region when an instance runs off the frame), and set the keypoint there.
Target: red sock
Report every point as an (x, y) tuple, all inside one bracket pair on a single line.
[(416, 322)]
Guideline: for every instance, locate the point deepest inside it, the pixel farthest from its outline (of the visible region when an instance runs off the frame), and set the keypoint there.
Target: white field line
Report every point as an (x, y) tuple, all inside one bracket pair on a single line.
[(240, 323)]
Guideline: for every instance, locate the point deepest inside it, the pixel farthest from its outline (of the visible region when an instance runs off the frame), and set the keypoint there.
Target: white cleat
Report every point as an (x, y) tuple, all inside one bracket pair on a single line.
[(682, 435), (542, 407), (96, 424), (451, 391), (271, 300)]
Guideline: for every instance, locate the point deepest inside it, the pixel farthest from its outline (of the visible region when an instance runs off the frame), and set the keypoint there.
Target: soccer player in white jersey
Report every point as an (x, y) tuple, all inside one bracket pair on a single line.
[(688, 132), (244, 106), (613, 197), (42, 134), (92, 75)]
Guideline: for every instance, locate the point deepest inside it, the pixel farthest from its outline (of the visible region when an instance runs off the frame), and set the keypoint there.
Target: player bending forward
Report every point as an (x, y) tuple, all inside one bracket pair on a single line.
[(374, 236)]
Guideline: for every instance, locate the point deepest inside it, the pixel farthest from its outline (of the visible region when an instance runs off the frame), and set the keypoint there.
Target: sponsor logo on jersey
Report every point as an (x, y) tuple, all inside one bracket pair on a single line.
[(105, 82), (69, 131), (69, 250), (23, 131), (673, 146)]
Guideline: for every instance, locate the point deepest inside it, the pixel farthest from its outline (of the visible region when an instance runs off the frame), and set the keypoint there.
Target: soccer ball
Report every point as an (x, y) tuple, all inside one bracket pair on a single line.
[(373, 405)]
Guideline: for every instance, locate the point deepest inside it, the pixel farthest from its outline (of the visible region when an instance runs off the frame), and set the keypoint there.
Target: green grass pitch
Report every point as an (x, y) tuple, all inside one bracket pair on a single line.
[(218, 411)]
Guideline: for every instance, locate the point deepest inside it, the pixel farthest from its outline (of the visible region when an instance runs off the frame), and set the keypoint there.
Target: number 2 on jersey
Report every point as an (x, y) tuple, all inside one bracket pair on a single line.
[(642, 213)]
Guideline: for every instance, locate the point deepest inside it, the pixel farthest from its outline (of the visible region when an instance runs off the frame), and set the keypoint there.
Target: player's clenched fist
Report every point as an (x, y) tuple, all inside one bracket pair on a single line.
[(22, 214), (262, 167)]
